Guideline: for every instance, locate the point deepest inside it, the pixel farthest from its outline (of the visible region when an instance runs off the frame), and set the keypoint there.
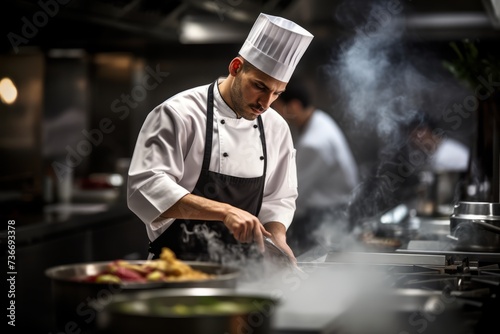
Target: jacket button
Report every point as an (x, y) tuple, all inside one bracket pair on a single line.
[(223, 122), (261, 158), (225, 154), (255, 126)]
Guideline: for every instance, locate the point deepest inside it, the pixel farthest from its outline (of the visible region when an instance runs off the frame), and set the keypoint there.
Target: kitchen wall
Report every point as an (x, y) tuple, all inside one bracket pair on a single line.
[(20, 128), (79, 111)]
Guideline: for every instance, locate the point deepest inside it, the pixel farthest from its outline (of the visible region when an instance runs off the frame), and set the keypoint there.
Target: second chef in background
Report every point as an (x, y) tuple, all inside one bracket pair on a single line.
[(327, 171)]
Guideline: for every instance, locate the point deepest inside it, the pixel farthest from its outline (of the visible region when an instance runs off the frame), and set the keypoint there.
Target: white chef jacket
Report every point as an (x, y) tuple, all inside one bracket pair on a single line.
[(450, 155), (168, 156), (327, 170)]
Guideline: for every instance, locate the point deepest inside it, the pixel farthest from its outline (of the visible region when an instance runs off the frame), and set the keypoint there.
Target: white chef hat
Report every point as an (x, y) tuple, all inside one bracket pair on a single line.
[(275, 46)]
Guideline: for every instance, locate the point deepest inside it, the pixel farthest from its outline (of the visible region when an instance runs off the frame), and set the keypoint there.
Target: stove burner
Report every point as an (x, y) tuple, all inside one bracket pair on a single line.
[(455, 281), (427, 292)]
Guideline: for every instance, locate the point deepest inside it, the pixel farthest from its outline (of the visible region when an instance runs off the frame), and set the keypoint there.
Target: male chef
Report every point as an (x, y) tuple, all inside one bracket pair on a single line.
[(213, 170)]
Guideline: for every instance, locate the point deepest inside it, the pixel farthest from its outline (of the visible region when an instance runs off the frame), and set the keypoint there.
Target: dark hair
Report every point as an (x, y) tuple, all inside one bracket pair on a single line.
[(297, 89), (247, 66)]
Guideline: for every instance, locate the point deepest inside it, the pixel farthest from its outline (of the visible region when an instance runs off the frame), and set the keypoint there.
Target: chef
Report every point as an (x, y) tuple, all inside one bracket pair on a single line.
[(213, 170)]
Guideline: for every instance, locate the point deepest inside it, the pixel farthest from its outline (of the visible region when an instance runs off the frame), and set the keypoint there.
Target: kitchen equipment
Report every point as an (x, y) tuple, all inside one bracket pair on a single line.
[(191, 310), (412, 292), (388, 230), (483, 177), (437, 191), (78, 302), (278, 256), (276, 253), (476, 226)]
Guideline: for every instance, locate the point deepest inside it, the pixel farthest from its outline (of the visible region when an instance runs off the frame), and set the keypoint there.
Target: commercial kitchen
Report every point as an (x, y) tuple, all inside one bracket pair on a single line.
[(414, 252)]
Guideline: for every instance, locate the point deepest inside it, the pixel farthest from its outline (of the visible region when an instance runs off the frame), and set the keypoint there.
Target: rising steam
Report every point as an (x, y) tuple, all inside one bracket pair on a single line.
[(384, 84)]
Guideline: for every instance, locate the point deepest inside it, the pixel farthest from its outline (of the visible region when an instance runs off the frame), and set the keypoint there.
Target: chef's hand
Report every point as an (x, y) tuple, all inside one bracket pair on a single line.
[(245, 227), (278, 232)]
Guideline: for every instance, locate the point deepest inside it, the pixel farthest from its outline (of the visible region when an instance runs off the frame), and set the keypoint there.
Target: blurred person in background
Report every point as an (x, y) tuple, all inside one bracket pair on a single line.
[(445, 154), (422, 169), (327, 172), (444, 164), (213, 171)]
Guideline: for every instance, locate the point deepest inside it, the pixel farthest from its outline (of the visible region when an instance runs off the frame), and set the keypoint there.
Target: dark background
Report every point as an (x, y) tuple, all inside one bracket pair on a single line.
[(72, 59)]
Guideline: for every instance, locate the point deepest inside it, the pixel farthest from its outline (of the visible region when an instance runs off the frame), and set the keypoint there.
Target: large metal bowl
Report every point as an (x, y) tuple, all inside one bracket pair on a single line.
[(76, 303), (148, 312)]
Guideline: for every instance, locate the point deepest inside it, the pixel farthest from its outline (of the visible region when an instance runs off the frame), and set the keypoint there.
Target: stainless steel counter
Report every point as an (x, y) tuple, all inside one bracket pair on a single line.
[(403, 291)]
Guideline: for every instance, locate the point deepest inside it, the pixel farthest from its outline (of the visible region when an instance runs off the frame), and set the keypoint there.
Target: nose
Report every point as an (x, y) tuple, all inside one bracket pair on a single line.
[(266, 100)]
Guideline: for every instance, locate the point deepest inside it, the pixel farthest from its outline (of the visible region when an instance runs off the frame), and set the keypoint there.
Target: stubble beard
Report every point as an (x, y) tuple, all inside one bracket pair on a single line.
[(238, 107)]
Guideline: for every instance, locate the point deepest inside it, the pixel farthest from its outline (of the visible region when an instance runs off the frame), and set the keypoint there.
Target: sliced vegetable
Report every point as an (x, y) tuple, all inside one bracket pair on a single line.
[(107, 278), (155, 276)]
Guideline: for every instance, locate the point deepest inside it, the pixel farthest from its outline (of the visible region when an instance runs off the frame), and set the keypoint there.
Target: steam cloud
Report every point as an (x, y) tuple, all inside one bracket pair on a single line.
[(384, 84)]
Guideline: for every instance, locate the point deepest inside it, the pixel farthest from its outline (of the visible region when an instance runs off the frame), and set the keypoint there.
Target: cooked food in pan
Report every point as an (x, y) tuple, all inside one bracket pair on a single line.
[(165, 269)]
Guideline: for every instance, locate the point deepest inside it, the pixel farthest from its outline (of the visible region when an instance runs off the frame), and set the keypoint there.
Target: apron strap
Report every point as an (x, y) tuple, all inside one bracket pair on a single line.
[(172, 236), (209, 128)]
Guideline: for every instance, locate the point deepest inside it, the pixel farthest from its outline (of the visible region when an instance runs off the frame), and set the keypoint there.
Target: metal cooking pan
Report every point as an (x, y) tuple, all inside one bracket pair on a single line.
[(191, 310), (475, 226), (76, 302)]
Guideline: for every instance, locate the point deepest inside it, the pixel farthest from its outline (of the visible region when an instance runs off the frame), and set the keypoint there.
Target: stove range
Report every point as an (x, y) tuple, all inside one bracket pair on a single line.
[(423, 291)]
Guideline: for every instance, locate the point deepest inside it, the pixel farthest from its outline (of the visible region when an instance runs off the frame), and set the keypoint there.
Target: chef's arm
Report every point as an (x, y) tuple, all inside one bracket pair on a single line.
[(244, 226)]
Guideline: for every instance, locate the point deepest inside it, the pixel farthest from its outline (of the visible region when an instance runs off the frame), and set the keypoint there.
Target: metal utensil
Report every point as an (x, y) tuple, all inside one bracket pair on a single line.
[(275, 250), (279, 255)]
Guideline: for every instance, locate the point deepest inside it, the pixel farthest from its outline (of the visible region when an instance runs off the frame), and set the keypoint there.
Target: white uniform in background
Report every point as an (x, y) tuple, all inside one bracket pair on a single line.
[(450, 155), (327, 170), (163, 173)]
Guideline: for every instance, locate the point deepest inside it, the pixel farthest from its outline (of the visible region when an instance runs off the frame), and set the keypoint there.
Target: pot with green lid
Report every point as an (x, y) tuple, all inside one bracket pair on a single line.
[(476, 226), (190, 310)]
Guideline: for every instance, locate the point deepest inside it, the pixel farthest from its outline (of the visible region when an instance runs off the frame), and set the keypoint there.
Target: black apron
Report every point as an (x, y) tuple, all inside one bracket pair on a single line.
[(198, 240)]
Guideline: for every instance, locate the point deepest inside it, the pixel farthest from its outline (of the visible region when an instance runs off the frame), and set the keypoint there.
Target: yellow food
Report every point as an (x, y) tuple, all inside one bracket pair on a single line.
[(107, 278), (166, 268)]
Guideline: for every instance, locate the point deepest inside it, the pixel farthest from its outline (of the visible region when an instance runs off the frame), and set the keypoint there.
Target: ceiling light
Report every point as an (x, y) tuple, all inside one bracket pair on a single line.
[(448, 20), (197, 30), (8, 91)]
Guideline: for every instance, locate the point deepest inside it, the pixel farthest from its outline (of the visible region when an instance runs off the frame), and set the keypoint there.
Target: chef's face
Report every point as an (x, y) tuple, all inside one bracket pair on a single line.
[(253, 91)]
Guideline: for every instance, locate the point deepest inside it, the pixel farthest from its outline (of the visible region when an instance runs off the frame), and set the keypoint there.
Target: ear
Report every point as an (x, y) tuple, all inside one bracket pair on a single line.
[(235, 66)]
